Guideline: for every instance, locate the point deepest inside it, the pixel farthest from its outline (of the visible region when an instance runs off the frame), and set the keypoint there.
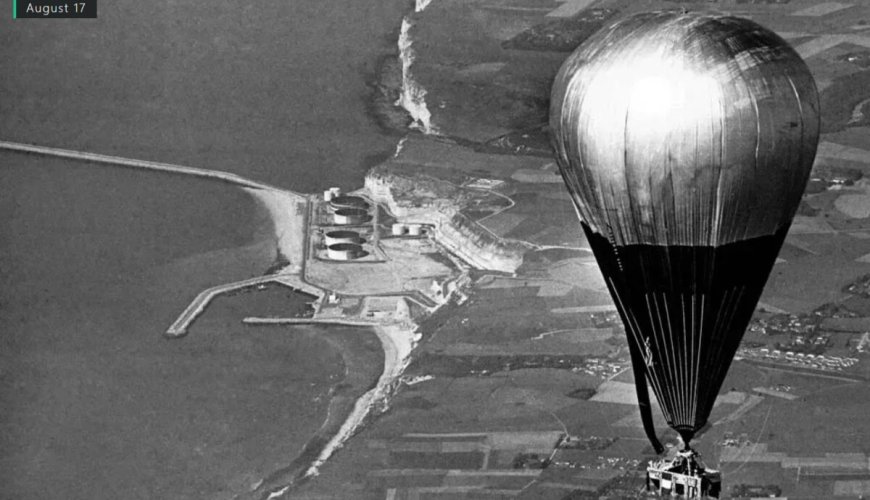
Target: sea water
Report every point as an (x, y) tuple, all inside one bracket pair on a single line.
[(95, 262)]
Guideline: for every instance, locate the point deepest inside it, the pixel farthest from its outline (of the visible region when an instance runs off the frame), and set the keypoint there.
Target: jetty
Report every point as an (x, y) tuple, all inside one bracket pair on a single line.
[(179, 327), (119, 161), (253, 320)]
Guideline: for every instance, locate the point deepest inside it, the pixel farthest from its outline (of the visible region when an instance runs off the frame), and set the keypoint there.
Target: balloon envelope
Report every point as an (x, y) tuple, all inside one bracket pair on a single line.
[(686, 141)]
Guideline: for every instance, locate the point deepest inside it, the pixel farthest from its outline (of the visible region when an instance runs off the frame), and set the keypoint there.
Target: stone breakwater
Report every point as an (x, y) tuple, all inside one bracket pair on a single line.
[(118, 161)]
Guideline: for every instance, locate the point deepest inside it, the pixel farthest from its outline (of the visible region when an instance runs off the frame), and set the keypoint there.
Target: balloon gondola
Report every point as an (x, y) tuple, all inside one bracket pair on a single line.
[(686, 141)]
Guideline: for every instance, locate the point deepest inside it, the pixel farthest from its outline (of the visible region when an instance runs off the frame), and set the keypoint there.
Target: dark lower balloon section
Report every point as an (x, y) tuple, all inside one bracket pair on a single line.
[(685, 310)]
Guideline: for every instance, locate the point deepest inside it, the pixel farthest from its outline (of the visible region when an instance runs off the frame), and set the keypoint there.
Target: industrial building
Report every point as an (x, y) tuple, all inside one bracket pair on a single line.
[(347, 201), (409, 229), (350, 216), (342, 236), (344, 251)]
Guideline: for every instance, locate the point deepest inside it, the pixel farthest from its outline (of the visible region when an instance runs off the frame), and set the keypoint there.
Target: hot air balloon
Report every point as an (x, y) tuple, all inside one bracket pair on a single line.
[(686, 141)]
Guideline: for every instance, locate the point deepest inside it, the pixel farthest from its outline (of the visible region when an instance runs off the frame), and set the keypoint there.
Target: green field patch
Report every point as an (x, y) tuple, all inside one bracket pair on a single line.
[(413, 403), (561, 35), (814, 280), (838, 101), (855, 137), (458, 164), (552, 255), (405, 478), (857, 304), (483, 365), (442, 460), (791, 252), (503, 223), (499, 315)]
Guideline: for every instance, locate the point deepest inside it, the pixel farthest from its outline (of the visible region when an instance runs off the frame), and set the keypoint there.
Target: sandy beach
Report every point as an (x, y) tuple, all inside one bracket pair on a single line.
[(288, 212), (398, 342), (99, 405)]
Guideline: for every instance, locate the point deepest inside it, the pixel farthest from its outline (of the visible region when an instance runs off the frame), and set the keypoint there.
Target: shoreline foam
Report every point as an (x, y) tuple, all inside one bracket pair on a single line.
[(288, 212), (398, 342)]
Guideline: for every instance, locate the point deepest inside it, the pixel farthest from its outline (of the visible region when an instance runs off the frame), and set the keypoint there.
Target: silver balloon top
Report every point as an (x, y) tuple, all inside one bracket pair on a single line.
[(694, 129)]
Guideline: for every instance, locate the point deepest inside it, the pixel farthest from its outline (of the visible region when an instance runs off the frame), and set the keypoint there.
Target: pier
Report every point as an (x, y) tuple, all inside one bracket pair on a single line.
[(252, 320), (198, 305), (119, 161), (180, 326)]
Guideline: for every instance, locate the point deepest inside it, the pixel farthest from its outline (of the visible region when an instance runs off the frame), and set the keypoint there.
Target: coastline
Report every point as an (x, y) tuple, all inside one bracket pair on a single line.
[(394, 104), (398, 342), (180, 415), (346, 415), (398, 339), (287, 250), (397, 104), (360, 352), (287, 211), (415, 404)]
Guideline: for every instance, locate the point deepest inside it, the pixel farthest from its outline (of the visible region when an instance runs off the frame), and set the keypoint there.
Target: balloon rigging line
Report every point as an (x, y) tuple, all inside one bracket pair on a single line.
[(757, 439)]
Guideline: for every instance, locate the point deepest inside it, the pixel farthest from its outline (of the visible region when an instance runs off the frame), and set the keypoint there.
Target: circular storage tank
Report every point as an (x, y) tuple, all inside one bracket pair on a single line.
[(342, 236), (350, 216), (415, 229), (398, 229), (346, 201), (344, 251)]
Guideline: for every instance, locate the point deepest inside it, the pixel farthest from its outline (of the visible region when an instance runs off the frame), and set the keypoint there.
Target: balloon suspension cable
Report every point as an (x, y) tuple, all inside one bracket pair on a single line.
[(643, 403), (685, 438)]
